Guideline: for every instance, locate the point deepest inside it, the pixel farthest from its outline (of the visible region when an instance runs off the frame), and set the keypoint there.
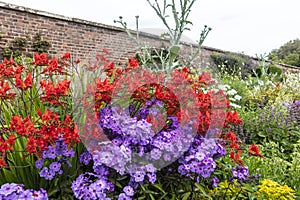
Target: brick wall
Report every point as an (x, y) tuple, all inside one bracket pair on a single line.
[(82, 38)]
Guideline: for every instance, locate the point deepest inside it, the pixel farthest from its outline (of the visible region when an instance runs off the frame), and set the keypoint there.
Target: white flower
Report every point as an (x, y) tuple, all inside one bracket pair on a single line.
[(231, 92), (237, 97), (223, 87), (234, 105)]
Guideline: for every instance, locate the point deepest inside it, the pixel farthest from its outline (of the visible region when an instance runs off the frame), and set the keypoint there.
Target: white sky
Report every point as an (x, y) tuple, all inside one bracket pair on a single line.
[(253, 27)]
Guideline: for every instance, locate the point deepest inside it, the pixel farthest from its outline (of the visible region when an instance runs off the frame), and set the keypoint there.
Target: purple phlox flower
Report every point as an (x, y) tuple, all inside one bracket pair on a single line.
[(26, 195), (215, 181), (156, 154), (9, 188), (240, 172), (12, 191), (128, 191), (139, 176), (151, 177), (50, 153), (123, 196), (39, 164), (84, 186), (47, 174), (55, 166), (85, 157)]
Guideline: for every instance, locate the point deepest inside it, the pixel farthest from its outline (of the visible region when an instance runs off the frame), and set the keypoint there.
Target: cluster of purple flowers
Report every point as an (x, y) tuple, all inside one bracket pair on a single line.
[(240, 172), (135, 143), (200, 158), (92, 186), (127, 193), (133, 148), (57, 155), (86, 157), (13, 191)]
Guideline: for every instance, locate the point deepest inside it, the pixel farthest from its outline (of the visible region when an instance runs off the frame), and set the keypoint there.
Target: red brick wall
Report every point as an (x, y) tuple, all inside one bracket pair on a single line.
[(82, 38)]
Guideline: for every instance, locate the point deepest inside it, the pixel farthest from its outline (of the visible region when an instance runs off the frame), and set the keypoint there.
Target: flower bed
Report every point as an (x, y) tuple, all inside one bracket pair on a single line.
[(102, 131)]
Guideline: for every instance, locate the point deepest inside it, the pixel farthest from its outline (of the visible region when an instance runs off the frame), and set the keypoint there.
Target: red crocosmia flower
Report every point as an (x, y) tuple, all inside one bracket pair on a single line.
[(186, 70), (133, 63), (54, 92), (232, 154), (66, 56), (109, 69), (28, 81), (254, 150), (232, 117), (53, 67), (18, 81), (23, 85), (7, 68), (231, 136), (205, 78), (22, 126), (4, 88), (77, 61), (234, 145), (32, 145), (236, 157), (40, 59)]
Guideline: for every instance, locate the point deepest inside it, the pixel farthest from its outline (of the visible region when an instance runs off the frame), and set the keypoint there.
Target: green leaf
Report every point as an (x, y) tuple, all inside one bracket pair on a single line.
[(186, 196), (159, 187), (152, 197)]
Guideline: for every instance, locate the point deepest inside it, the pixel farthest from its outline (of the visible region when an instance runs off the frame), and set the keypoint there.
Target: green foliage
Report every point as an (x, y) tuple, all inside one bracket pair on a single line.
[(274, 165), (235, 190), (17, 47), (271, 70), (232, 64), (292, 59), (272, 124), (288, 53), (40, 45)]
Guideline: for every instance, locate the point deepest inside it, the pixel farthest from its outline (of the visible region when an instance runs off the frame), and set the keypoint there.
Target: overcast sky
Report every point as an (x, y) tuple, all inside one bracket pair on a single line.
[(248, 26)]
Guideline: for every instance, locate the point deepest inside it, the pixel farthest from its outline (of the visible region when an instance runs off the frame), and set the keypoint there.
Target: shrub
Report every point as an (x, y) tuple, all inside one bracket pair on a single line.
[(233, 64)]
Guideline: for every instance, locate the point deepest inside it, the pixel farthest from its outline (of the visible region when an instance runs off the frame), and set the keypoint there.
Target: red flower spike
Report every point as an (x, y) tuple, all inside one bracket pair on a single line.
[(232, 117), (28, 81), (66, 56), (77, 61), (40, 59), (231, 136), (4, 88), (254, 150), (133, 63)]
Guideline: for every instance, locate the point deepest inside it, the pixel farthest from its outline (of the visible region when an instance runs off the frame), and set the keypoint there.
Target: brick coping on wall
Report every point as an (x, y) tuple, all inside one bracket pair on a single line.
[(110, 27)]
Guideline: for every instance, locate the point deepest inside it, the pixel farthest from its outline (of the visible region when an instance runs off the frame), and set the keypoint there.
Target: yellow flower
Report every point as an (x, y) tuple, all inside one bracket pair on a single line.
[(272, 190)]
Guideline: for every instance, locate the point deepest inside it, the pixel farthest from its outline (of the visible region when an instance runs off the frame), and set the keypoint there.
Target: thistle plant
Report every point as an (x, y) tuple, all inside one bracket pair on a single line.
[(179, 16)]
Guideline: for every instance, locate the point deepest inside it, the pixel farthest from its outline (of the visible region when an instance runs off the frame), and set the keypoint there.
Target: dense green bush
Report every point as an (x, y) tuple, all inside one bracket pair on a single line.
[(233, 64), (289, 53)]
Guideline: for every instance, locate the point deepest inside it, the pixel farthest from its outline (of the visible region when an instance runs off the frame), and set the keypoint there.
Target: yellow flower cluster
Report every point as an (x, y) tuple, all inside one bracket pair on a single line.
[(272, 190)]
